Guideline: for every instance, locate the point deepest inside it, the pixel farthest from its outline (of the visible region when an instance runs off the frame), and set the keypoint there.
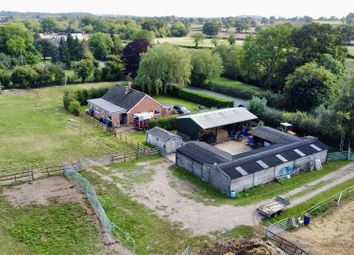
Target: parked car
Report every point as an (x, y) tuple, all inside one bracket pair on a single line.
[(273, 208), (181, 109)]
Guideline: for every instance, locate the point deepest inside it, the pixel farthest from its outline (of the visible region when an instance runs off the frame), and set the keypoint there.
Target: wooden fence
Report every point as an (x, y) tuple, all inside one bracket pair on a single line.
[(120, 136), (29, 176)]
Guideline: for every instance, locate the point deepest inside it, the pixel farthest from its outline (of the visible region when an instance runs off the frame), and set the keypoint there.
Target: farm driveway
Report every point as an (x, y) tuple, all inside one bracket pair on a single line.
[(161, 197)]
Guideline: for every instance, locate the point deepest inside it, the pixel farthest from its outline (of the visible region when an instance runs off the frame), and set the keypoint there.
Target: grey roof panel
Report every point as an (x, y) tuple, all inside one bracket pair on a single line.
[(268, 155), (108, 106), (204, 153), (273, 135), (123, 96), (162, 134), (222, 117)]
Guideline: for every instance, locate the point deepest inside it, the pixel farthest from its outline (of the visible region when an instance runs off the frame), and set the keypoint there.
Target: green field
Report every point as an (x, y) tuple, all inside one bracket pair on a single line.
[(35, 128), (56, 229), (188, 41), (351, 50), (330, 22), (236, 84), (349, 65), (205, 193)]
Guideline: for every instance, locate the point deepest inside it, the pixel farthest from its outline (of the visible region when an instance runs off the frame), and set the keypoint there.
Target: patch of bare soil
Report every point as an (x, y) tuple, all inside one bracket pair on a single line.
[(331, 234), (45, 192), (242, 247)]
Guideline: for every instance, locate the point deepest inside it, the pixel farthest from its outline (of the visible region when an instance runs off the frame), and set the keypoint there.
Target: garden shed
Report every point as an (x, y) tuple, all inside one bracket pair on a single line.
[(214, 126), (164, 140)]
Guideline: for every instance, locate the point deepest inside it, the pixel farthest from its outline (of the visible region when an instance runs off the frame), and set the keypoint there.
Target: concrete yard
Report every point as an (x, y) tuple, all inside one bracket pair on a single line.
[(233, 147)]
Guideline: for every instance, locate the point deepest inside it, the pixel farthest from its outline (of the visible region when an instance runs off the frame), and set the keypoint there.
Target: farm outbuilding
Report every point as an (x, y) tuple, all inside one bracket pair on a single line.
[(215, 126), (164, 140), (238, 172)]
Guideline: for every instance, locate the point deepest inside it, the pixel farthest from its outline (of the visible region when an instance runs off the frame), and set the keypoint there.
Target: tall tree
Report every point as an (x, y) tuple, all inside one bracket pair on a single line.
[(162, 65), (131, 55), (265, 57), (84, 69), (308, 87), (211, 28), (230, 56), (100, 45), (314, 40), (197, 38), (63, 53), (205, 65)]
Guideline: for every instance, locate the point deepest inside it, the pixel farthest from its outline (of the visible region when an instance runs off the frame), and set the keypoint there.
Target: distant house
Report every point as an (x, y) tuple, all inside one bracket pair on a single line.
[(166, 141), (121, 103), (214, 126)]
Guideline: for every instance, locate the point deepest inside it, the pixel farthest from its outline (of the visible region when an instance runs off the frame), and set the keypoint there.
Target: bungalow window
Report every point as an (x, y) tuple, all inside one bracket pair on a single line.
[(157, 111)]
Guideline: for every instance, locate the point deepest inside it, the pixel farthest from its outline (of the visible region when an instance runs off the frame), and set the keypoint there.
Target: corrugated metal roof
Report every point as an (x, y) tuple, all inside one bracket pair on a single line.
[(273, 135), (217, 118), (162, 134), (204, 153), (108, 106), (269, 155)]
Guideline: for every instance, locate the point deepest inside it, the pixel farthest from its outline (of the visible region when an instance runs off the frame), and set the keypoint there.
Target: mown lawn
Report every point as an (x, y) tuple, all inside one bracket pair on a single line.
[(204, 192), (237, 84), (35, 128), (188, 41), (55, 229), (176, 101)]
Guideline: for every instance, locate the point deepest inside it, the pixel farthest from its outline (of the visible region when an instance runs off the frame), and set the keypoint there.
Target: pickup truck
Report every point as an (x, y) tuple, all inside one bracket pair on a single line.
[(273, 208)]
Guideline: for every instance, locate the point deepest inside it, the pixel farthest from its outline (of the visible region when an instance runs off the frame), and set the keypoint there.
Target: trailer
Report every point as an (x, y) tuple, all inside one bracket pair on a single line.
[(274, 208), (141, 120)]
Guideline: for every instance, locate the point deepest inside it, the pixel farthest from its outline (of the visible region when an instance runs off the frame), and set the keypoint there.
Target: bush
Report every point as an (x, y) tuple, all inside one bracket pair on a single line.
[(24, 77), (200, 98), (274, 100), (169, 122), (303, 123), (5, 78), (74, 107)]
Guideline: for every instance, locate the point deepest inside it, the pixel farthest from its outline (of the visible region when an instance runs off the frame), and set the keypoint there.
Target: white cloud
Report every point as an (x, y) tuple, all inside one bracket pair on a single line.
[(206, 8)]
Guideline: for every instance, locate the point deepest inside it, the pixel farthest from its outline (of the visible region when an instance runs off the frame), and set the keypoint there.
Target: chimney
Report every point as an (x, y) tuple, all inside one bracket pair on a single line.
[(129, 86)]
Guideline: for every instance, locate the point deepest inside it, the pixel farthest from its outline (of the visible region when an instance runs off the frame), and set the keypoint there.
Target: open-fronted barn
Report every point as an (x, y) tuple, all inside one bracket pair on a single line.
[(214, 126)]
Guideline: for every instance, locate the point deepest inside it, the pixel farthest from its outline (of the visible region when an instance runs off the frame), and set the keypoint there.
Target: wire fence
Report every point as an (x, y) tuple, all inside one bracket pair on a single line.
[(109, 228), (339, 155), (274, 230)]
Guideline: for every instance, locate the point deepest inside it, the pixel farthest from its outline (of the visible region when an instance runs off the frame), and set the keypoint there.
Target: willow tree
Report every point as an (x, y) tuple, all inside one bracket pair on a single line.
[(161, 66)]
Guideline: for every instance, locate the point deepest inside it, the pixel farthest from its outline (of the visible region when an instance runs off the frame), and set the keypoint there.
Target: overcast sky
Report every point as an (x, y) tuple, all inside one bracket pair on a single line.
[(187, 8)]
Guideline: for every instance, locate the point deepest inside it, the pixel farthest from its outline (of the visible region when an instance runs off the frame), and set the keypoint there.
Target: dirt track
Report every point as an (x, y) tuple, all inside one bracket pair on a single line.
[(331, 234), (164, 199)]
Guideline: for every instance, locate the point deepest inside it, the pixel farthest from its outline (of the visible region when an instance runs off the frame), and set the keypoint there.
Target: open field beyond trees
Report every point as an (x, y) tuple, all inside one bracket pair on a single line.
[(188, 42), (35, 128)]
